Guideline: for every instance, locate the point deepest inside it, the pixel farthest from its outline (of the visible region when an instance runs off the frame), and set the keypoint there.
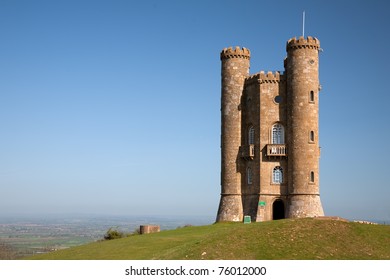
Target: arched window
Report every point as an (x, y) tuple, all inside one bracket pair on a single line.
[(312, 177), (249, 176), (251, 136), (277, 134), (277, 175)]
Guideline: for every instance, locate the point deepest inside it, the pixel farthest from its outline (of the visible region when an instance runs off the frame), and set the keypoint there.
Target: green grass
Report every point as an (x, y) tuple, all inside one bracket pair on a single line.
[(283, 239)]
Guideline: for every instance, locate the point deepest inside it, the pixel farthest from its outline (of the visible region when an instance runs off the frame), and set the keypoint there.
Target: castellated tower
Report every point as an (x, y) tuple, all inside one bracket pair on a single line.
[(304, 151), (269, 136), (235, 68)]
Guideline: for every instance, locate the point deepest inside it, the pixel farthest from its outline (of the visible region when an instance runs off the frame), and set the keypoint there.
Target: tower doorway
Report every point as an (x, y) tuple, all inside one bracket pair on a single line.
[(278, 210)]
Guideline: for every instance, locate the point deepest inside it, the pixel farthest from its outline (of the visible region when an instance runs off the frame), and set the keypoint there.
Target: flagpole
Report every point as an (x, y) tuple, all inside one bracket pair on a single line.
[(303, 25)]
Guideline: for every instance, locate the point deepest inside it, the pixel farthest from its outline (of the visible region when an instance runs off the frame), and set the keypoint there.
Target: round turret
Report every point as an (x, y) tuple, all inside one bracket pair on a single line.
[(235, 68), (302, 43), (303, 146), (237, 52)]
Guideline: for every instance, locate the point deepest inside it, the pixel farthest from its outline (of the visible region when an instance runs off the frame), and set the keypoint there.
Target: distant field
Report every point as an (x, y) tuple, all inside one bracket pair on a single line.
[(283, 239), (26, 246)]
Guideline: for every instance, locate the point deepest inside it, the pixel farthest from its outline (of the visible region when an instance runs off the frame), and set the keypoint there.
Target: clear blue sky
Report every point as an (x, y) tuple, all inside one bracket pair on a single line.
[(114, 106)]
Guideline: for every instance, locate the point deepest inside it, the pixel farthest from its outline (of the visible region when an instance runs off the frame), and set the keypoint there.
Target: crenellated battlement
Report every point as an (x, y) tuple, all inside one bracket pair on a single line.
[(302, 43), (252, 79), (270, 77), (263, 77), (237, 52)]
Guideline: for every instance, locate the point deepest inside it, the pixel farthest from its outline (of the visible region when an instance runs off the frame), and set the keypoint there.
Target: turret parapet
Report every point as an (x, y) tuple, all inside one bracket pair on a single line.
[(271, 77), (237, 52), (302, 43)]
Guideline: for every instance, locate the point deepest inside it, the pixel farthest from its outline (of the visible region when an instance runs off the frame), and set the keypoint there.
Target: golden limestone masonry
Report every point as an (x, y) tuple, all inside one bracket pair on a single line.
[(269, 136)]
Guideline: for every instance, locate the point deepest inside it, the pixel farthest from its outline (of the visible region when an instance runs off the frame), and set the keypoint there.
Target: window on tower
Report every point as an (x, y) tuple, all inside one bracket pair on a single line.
[(251, 136), (277, 175), (311, 96), (312, 136), (249, 176), (277, 134), (278, 99), (312, 177)]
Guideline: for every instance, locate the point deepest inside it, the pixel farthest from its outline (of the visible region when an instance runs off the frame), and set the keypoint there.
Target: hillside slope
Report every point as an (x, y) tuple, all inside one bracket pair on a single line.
[(282, 239)]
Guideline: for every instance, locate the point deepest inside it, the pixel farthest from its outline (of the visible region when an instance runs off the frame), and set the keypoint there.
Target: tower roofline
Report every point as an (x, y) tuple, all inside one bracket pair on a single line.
[(302, 43), (271, 77), (237, 52), (265, 77)]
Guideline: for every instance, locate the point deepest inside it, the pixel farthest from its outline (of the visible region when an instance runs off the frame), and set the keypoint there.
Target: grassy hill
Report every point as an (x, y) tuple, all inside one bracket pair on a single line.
[(282, 239)]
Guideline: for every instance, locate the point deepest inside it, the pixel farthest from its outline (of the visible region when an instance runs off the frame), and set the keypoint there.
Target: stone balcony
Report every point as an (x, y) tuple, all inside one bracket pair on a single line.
[(248, 152), (276, 150)]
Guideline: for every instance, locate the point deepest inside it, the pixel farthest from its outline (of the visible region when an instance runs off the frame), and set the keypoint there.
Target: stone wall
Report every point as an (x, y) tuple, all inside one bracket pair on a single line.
[(145, 229)]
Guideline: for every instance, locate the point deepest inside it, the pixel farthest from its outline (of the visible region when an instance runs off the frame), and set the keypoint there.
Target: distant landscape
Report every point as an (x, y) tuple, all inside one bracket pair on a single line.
[(22, 237)]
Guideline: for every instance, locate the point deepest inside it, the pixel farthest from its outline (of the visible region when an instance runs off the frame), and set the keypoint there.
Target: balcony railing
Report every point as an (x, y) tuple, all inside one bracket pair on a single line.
[(276, 150), (248, 152)]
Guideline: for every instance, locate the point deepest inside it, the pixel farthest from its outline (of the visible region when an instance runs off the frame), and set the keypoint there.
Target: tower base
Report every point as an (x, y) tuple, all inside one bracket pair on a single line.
[(302, 206), (230, 209)]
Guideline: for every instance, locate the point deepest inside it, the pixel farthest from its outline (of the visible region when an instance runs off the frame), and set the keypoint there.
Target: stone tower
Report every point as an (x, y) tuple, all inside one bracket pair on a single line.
[(302, 123), (235, 68), (269, 136)]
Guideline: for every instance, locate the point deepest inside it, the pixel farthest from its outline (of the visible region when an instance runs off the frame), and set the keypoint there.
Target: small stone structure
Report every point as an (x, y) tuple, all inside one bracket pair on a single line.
[(145, 229), (269, 136)]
